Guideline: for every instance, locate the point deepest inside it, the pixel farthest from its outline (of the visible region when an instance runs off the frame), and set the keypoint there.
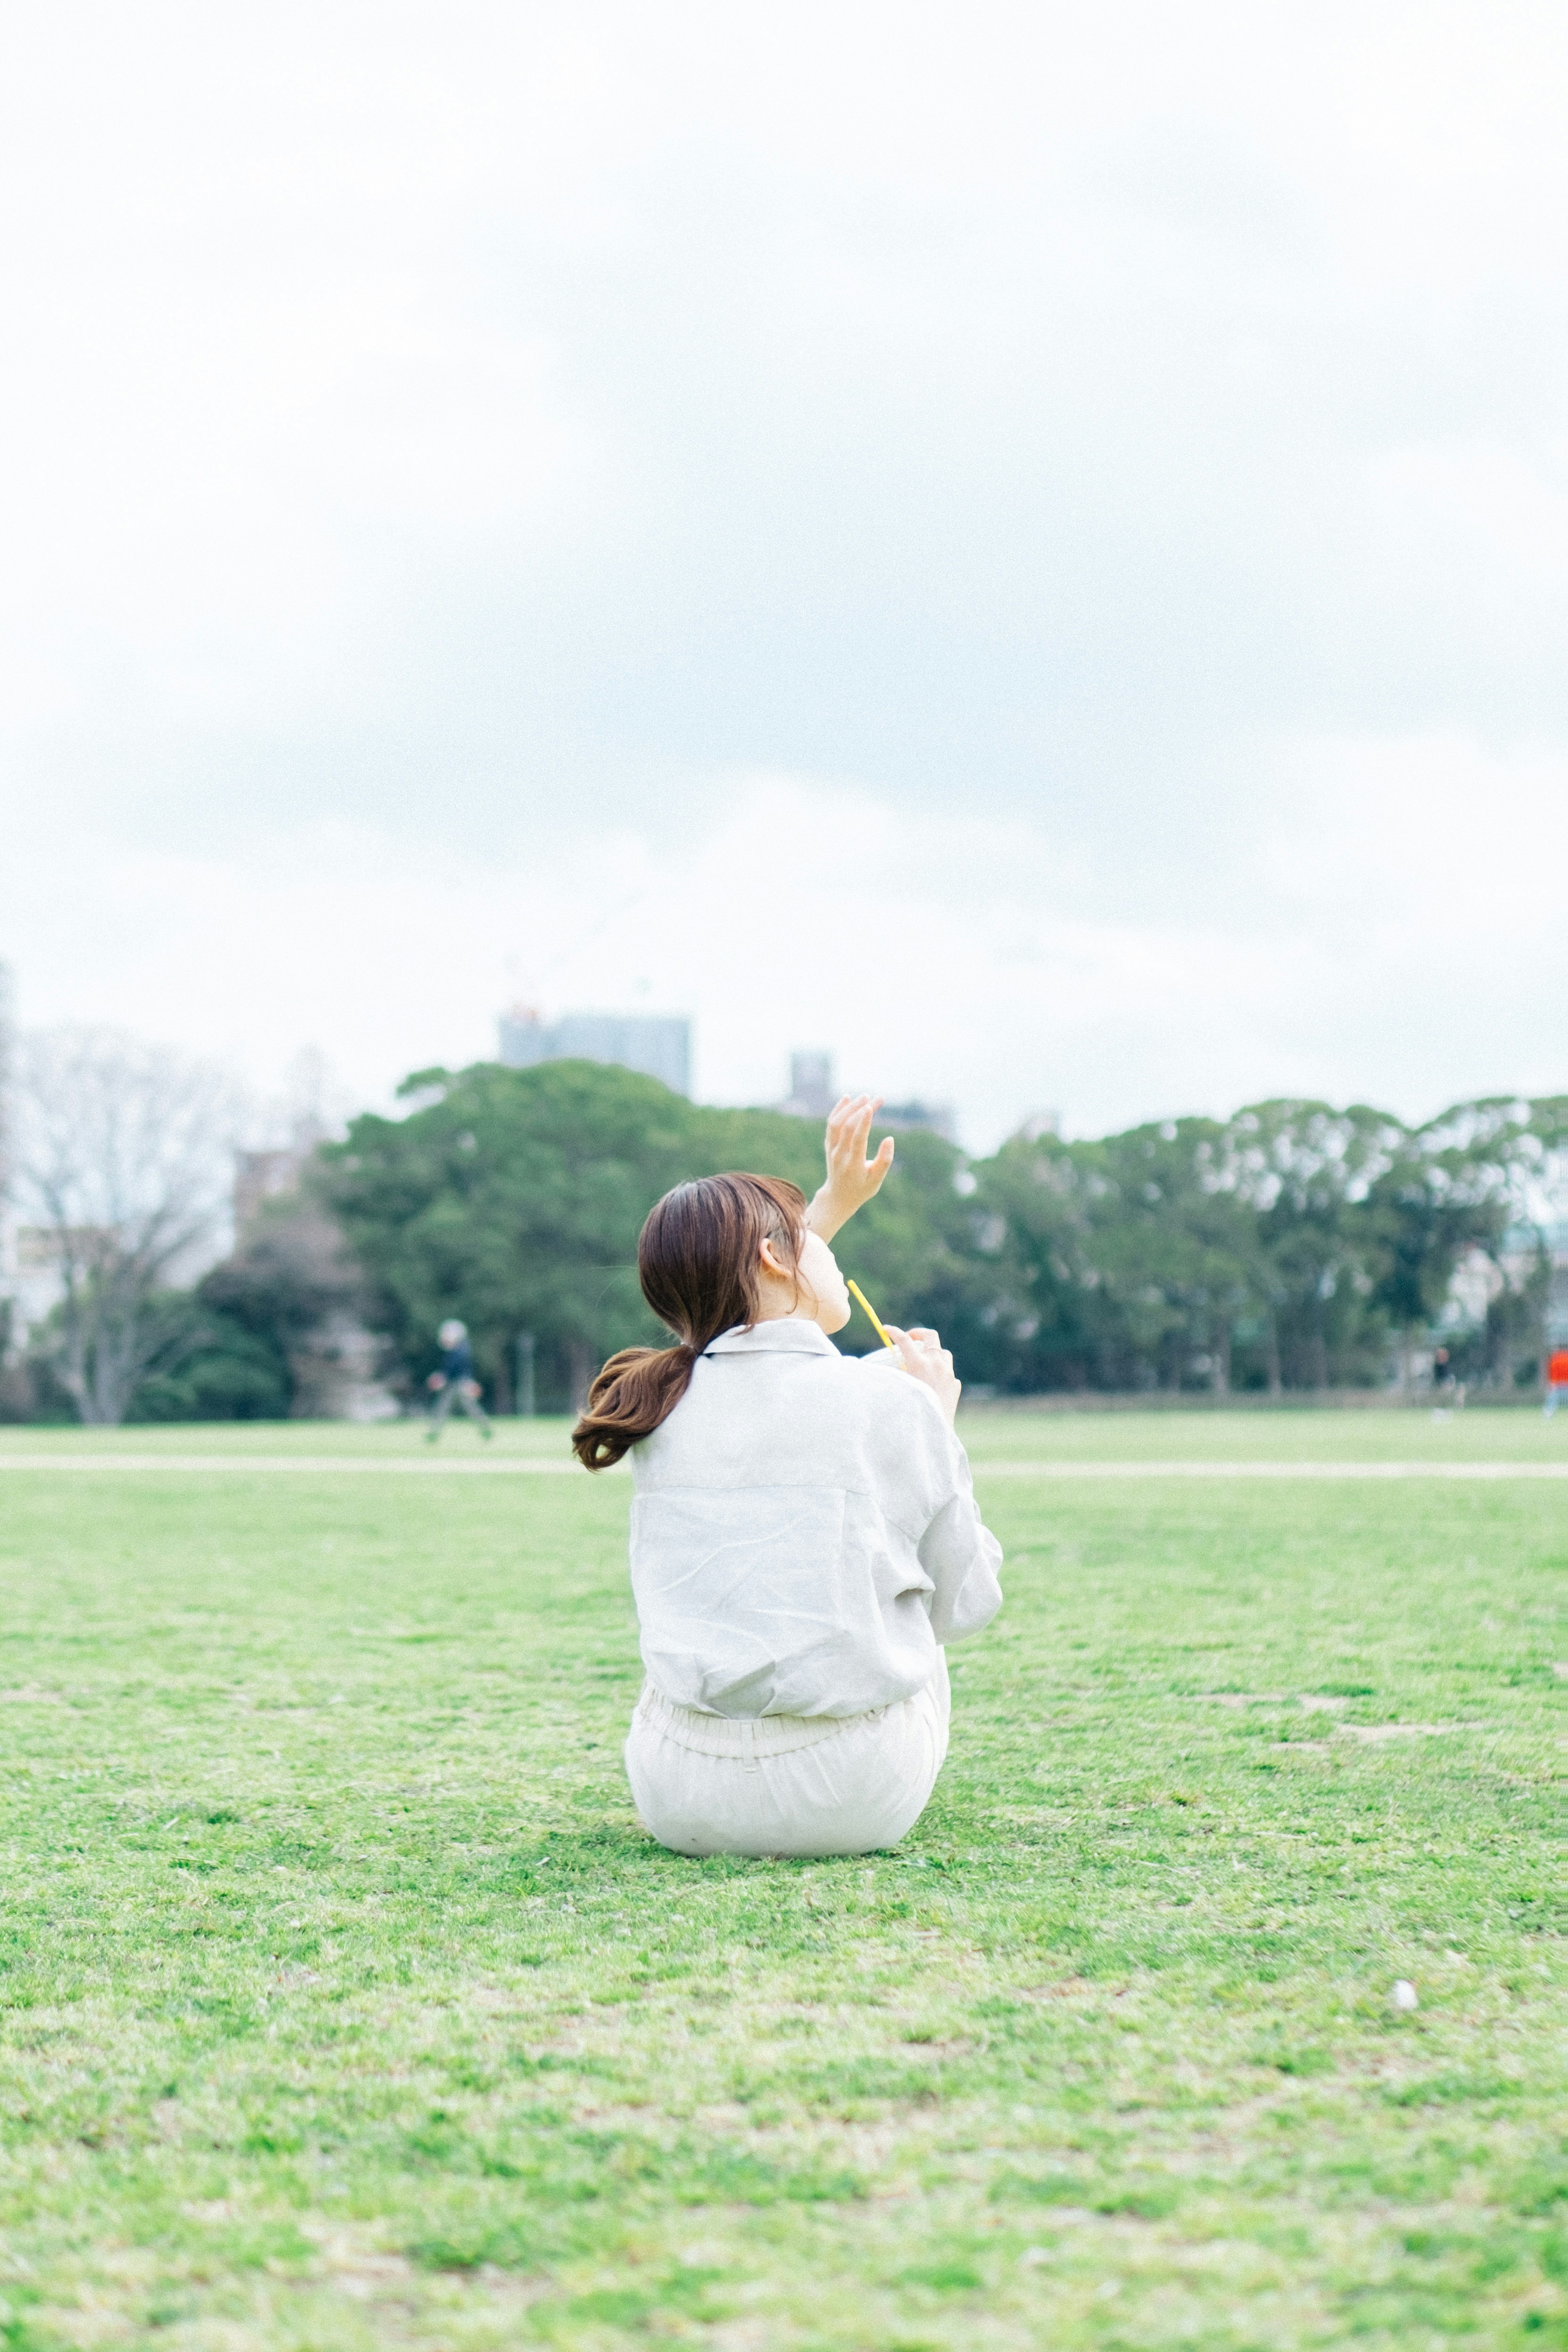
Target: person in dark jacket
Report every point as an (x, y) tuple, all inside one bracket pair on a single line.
[(454, 1383)]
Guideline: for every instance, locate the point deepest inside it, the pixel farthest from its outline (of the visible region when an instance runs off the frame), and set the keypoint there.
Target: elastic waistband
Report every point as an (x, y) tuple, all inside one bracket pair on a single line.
[(743, 1737)]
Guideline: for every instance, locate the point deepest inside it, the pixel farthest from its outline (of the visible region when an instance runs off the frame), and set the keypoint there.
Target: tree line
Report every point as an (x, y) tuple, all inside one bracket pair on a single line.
[(1291, 1247)]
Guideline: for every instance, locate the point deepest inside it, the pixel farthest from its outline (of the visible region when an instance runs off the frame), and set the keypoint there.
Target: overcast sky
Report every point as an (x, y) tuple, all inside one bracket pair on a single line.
[(1026, 545)]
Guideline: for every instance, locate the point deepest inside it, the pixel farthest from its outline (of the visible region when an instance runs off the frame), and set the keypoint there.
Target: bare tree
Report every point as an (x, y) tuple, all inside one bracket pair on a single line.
[(124, 1158)]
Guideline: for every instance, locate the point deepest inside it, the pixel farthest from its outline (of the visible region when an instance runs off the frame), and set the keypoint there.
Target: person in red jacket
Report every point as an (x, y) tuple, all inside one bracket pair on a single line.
[(1556, 1378)]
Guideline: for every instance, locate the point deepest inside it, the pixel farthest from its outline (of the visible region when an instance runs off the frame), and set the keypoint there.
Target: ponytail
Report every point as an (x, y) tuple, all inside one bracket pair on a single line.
[(636, 1391), (696, 1263)]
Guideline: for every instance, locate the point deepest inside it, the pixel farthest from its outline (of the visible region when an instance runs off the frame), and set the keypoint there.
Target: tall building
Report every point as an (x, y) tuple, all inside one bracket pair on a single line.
[(657, 1045), (812, 1095), (261, 1176)]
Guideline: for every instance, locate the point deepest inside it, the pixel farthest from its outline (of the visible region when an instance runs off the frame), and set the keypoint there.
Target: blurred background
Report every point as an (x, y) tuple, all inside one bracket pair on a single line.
[(1015, 557)]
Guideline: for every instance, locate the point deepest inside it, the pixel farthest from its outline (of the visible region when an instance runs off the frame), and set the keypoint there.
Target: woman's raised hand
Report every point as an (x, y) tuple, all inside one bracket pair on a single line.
[(852, 1177), (921, 1353)]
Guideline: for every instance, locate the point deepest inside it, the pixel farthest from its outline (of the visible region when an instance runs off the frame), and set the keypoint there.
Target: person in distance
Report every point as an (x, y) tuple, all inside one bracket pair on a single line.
[(804, 1539), (454, 1383)]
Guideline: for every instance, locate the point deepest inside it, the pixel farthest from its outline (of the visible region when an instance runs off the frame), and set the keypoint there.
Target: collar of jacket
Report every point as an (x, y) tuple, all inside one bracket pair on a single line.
[(786, 1334)]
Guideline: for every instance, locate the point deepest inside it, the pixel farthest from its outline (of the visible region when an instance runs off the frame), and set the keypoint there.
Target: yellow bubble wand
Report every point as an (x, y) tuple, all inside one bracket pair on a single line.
[(871, 1314)]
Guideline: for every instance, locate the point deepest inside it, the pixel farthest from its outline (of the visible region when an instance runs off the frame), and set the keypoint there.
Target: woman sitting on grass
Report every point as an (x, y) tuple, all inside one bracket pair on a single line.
[(804, 1536)]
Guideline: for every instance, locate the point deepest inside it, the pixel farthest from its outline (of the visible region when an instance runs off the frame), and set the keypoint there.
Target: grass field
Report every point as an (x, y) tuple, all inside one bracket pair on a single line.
[(344, 2004)]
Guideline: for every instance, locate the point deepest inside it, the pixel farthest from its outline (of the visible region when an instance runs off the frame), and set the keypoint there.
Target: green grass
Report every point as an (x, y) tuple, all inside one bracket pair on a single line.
[(343, 2003)]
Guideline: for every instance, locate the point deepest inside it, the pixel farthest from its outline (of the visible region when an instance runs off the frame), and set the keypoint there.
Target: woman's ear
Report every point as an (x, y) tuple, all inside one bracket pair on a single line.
[(771, 1260)]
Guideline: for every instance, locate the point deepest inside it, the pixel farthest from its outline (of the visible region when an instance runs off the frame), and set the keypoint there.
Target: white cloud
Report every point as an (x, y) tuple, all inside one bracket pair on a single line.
[(936, 955), (1089, 484)]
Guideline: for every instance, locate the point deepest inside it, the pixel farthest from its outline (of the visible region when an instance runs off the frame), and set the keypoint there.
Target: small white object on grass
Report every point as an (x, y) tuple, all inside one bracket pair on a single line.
[(1403, 1994)]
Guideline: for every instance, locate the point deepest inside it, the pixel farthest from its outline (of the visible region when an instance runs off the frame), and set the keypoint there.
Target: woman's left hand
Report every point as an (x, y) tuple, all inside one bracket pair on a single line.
[(852, 1177), (921, 1353)]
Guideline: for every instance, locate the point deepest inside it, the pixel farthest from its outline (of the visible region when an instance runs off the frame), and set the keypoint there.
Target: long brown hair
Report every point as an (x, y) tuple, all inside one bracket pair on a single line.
[(696, 1262)]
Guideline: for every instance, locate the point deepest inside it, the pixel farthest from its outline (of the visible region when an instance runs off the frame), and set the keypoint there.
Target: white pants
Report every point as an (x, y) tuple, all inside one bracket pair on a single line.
[(787, 1784)]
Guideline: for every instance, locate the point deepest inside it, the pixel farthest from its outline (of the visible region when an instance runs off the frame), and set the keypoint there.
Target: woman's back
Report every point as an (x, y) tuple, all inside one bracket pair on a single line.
[(804, 1536), (805, 1532)]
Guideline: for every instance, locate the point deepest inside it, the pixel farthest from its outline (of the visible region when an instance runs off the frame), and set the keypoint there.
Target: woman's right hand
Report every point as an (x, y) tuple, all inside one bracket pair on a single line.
[(921, 1354)]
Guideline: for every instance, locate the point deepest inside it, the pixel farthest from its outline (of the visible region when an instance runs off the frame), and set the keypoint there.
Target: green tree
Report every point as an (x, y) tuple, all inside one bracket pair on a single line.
[(1425, 1213), (514, 1199), (1505, 1159), (1291, 1245), (217, 1370), (288, 1274), (1176, 1248), (1122, 1263), (1045, 1321), (1308, 1171)]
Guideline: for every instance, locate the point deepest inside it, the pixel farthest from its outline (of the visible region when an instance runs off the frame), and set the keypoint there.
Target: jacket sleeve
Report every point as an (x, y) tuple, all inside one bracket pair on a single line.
[(926, 1486), (961, 1556)]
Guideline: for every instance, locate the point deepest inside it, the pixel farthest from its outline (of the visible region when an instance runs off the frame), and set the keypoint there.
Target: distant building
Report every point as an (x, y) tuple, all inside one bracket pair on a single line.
[(918, 1116), (1557, 1291), (38, 1274), (261, 1176), (812, 1095), (338, 1368), (657, 1045), (1520, 1258), (339, 1365)]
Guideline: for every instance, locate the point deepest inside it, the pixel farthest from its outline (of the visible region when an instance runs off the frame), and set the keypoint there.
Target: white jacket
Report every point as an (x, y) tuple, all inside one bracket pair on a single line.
[(805, 1532)]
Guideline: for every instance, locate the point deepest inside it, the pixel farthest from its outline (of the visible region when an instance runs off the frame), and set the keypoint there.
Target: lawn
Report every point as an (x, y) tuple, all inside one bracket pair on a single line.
[(344, 2004)]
